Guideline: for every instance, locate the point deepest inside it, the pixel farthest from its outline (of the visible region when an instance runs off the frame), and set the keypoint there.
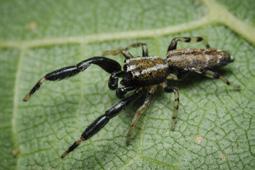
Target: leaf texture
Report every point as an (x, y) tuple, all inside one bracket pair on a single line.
[(215, 128)]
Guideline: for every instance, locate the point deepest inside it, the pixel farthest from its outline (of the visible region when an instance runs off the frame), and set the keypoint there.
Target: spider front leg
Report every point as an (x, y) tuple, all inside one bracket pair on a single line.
[(173, 44), (120, 92), (211, 74), (106, 64), (102, 120), (126, 53), (176, 104)]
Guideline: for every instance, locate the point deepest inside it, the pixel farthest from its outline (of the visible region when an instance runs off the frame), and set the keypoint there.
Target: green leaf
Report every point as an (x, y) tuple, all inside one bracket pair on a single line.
[(215, 128)]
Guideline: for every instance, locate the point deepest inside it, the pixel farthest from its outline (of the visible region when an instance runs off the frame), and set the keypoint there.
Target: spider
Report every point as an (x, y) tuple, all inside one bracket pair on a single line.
[(142, 76)]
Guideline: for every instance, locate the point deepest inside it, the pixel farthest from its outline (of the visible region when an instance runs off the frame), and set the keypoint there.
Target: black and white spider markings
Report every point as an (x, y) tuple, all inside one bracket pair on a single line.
[(142, 76)]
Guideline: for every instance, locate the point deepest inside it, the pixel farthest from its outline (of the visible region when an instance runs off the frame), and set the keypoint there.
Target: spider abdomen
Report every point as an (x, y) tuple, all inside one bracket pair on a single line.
[(145, 71), (190, 59)]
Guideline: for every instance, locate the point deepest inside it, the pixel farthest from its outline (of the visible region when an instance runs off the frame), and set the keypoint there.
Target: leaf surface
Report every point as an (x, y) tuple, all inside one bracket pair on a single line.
[(215, 128)]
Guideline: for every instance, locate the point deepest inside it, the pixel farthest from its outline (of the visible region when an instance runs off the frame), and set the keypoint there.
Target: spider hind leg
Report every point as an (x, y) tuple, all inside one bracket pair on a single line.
[(174, 42), (176, 104)]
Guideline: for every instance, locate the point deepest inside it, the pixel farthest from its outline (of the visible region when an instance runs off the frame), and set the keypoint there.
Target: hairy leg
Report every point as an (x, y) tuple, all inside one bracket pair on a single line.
[(174, 42), (176, 104), (214, 75), (125, 51), (139, 112)]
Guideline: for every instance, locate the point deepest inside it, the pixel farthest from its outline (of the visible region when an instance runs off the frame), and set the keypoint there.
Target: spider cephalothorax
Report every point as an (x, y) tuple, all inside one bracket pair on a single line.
[(140, 77)]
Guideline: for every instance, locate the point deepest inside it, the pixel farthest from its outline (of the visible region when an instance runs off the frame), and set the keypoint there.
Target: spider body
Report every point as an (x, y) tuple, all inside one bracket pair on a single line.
[(141, 77), (197, 59), (144, 71)]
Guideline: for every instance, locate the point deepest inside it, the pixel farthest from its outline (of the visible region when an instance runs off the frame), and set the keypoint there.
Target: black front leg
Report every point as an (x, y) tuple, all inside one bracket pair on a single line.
[(106, 64), (120, 92), (102, 120)]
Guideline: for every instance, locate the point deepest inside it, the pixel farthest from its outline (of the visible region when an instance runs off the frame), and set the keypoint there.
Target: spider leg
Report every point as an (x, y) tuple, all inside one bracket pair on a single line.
[(214, 75), (173, 44), (145, 52), (114, 79), (172, 77), (106, 64), (102, 120), (177, 76), (120, 92), (126, 53), (175, 90), (140, 110)]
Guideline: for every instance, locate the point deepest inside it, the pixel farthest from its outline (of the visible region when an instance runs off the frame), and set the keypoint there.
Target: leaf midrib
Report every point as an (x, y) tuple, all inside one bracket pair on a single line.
[(214, 16), (15, 103)]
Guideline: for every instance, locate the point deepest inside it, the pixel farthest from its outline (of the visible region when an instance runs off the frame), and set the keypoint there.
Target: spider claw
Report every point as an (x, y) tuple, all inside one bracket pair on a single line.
[(127, 142), (34, 89), (71, 148), (64, 154), (172, 127), (129, 136), (26, 98), (236, 88)]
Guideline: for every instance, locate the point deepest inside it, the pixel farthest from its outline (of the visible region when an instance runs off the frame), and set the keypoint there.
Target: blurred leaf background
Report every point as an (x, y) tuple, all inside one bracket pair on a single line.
[(216, 128)]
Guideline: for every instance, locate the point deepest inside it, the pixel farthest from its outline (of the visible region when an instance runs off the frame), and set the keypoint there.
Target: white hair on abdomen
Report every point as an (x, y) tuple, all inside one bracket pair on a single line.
[(150, 69)]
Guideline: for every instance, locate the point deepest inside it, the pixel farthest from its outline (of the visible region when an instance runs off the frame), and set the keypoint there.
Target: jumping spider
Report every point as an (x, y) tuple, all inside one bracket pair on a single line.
[(142, 77)]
